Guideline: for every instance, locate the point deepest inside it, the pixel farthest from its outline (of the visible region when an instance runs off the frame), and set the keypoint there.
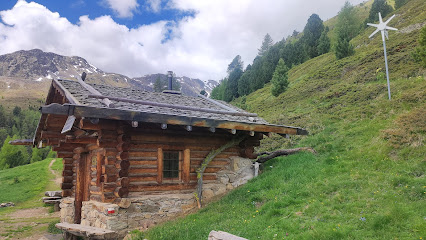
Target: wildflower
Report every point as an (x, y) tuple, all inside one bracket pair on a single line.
[(362, 219), (248, 191), (257, 210)]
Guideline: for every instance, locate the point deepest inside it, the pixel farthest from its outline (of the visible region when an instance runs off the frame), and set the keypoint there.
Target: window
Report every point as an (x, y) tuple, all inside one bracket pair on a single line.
[(171, 164)]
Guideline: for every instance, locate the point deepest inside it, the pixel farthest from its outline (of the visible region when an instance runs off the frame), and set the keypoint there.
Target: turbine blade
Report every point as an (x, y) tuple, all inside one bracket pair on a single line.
[(389, 19), (380, 18), (372, 24), (386, 34), (375, 31), (391, 28)]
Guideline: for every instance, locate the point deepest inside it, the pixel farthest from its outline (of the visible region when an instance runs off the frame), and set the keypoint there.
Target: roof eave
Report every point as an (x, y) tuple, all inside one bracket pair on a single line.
[(80, 111)]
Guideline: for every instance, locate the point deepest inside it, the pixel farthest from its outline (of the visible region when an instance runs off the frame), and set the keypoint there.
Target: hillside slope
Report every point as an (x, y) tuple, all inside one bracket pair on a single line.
[(367, 180)]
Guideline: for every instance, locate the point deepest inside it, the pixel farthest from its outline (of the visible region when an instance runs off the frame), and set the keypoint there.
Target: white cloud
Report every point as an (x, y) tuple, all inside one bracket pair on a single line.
[(124, 8), (201, 46), (154, 5)]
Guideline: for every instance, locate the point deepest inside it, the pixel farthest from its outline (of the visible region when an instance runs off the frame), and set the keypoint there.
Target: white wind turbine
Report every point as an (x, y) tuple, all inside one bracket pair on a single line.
[(383, 28)]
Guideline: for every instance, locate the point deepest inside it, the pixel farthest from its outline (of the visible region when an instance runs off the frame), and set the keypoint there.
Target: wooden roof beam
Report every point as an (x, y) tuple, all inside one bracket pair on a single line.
[(125, 115)]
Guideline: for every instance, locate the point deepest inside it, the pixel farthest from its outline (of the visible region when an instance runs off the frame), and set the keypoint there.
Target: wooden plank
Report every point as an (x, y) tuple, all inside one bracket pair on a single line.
[(87, 231), (159, 166), (99, 163), (143, 170), (186, 165), (109, 169), (102, 125), (160, 187), (139, 163), (139, 178), (134, 154)]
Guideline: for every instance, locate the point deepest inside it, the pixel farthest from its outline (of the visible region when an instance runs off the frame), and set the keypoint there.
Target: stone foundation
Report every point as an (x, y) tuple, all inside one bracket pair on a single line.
[(142, 211)]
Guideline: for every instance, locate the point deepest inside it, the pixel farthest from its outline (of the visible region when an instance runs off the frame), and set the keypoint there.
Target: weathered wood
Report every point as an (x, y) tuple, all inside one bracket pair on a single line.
[(107, 143), (86, 231), (123, 173), (109, 169), (122, 147), (102, 125), (133, 154), (123, 182), (145, 178), (95, 197), (159, 166), (108, 197), (219, 235), (67, 179), (110, 178), (141, 163), (24, 142), (145, 170), (66, 192), (108, 187), (122, 155), (86, 140), (99, 163), (51, 201), (121, 192), (124, 165), (53, 193), (186, 165), (67, 173), (65, 154), (118, 114), (66, 185), (283, 152), (160, 187)]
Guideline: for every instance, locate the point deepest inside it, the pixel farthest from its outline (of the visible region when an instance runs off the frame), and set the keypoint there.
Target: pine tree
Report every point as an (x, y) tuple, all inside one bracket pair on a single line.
[(266, 44), (324, 42), (236, 63), (378, 6), (311, 35), (347, 27), (279, 79)]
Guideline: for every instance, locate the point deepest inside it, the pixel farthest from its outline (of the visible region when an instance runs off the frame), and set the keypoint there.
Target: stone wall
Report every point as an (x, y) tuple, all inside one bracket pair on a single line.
[(143, 211)]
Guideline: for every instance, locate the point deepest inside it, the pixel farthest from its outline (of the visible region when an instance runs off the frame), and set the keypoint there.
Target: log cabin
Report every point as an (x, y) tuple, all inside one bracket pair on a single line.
[(133, 158)]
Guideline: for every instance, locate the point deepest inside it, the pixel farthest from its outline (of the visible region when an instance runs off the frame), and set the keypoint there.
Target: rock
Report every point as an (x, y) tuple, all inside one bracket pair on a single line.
[(8, 204), (219, 235), (124, 203), (208, 193)]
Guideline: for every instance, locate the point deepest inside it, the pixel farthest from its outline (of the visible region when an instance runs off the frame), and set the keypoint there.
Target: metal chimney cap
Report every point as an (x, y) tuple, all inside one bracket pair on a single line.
[(170, 73)]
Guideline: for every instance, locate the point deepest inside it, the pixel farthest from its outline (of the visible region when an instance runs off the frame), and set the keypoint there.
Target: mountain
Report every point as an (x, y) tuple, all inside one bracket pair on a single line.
[(26, 75), (367, 180)]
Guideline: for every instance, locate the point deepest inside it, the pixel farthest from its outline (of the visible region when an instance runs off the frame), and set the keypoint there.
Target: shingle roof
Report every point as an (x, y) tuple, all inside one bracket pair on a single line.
[(82, 95)]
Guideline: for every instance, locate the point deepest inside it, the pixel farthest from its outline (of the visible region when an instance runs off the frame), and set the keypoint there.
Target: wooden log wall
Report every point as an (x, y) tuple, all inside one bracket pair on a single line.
[(146, 147)]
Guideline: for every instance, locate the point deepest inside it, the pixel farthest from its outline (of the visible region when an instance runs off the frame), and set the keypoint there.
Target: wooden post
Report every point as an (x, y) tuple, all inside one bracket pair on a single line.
[(160, 165), (186, 164)]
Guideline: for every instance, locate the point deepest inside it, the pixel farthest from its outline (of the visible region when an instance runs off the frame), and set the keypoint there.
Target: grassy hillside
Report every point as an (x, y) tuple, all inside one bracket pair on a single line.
[(25, 185), (367, 180)]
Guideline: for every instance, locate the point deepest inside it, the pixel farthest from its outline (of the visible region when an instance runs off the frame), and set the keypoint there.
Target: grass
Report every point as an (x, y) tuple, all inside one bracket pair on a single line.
[(22, 183), (367, 180)]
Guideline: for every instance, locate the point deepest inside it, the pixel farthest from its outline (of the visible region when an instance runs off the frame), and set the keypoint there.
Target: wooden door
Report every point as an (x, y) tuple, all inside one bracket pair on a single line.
[(82, 185)]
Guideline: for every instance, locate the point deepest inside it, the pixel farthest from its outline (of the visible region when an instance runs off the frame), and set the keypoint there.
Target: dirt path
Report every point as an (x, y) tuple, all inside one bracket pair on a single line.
[(31, 223), (58, 178)]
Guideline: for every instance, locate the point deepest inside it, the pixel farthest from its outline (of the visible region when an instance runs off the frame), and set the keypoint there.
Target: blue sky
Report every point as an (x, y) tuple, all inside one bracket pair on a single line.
[(194, 38)]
